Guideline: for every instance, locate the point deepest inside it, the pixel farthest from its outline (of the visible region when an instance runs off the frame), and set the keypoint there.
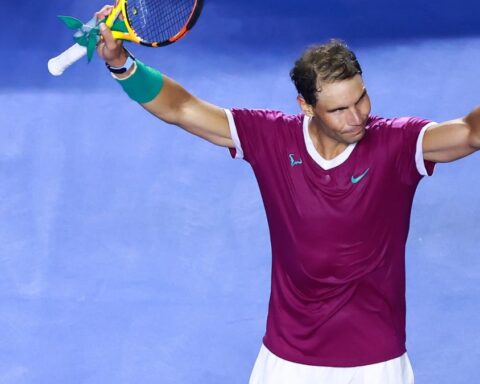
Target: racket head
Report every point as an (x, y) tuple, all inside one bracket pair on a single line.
[(157, 23)]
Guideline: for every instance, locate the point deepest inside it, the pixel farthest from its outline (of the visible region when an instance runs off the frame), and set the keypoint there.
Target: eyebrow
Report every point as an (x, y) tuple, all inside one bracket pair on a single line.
[(359, 99)]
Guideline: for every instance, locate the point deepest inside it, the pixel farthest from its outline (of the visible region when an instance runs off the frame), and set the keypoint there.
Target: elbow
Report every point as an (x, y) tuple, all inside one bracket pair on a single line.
[(474, 142), (474, 139), (167, 114), (472, 120), (169, 118)]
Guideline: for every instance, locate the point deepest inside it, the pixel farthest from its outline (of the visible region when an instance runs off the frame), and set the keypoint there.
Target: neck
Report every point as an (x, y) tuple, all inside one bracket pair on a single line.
[(325, 145)]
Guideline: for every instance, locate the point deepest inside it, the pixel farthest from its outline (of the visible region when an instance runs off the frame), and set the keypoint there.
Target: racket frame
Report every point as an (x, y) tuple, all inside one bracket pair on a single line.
[(121, 8), (60, 63)]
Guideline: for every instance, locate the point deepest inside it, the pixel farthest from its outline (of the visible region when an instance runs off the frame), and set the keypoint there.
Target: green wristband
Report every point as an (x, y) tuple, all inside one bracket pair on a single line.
[(143, 84)]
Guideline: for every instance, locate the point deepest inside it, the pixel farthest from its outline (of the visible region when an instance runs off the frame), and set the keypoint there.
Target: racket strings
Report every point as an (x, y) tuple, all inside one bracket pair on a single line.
[(158, 21)]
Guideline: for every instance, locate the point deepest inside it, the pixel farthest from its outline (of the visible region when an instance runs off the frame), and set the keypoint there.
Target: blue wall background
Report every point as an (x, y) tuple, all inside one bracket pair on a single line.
[(134, 253)]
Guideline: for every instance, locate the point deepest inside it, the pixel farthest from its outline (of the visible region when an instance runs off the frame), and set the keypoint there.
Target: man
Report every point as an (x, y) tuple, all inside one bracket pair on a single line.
[(337, 185)]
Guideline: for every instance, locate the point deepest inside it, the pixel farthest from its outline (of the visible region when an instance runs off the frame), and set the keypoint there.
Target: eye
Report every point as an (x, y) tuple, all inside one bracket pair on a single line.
[(362, 98)]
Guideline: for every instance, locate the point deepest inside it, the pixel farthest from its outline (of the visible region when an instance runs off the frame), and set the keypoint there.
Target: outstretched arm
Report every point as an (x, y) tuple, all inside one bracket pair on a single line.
[(173, 104), (454, 139)]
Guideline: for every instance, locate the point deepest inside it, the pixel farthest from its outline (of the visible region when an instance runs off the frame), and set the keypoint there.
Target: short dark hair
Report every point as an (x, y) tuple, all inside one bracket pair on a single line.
[(328, 62)]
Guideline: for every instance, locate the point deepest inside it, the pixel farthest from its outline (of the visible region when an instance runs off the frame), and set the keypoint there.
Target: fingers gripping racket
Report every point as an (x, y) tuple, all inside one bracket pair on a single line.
[(152, 23)]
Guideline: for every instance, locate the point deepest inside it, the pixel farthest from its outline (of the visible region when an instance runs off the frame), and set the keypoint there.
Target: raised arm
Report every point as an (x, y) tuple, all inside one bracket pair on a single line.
[(176, 106), (173, 104), (454, 139)]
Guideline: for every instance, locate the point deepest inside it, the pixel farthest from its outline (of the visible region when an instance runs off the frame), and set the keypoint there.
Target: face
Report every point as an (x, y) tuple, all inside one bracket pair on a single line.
[(341, 111)]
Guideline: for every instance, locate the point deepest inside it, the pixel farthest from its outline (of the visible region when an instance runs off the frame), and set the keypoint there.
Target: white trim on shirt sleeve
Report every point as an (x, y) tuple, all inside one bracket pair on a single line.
[(419, 160), (234, 133)]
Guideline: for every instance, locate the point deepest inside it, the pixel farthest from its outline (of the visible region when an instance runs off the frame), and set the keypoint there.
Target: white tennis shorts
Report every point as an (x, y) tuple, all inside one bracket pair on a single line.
[(271, 369)]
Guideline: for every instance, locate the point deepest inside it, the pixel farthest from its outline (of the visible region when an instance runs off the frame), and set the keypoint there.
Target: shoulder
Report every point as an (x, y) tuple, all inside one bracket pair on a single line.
[(397, 128), (266, 116), (257, 131), (376, 123)]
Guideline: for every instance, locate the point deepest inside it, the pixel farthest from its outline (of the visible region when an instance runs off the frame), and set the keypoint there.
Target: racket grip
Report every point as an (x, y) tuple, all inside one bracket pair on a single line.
[(57, 65)]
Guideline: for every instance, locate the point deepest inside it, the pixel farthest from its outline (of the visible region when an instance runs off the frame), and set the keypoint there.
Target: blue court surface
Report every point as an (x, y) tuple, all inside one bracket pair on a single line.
[(132, 252)]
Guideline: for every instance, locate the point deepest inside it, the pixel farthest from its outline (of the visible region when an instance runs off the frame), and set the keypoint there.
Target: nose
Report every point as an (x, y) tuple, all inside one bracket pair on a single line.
[(354, 116)]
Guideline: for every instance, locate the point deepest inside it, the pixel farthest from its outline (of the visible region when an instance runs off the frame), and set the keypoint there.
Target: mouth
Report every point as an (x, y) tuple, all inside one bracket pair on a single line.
[(354, 131)]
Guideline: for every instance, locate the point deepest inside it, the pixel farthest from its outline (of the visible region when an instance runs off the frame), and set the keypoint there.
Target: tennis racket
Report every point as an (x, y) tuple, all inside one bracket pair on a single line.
[(152, 23)]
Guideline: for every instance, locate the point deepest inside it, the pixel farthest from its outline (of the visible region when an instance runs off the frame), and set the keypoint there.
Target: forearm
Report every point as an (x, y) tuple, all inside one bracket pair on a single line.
[(157, 93), (163, 97), (170, 102), (453, 139)]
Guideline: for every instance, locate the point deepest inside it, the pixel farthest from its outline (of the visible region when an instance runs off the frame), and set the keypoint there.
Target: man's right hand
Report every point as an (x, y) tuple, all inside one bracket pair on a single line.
[(109, 49), (173, 104)]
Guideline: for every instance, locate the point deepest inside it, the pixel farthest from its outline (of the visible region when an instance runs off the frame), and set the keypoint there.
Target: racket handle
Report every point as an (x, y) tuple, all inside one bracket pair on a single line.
[(57, 65)]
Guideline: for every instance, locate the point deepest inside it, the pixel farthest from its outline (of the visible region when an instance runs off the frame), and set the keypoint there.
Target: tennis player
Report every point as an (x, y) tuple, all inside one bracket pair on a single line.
[(337, 183)]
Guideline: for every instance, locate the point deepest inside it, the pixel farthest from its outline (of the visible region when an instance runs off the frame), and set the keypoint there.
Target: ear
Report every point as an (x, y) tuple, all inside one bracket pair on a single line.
[(306, 108)]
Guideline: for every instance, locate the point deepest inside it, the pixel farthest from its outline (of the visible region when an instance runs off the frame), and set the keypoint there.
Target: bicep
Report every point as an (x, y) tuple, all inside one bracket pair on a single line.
[(447, 141), (177, 106), (206, 121)]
